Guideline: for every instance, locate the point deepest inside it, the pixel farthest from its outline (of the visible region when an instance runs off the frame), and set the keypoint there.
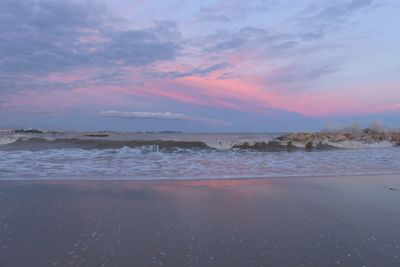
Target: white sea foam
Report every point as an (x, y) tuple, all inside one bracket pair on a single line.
[(150, 163), (360, 145), (346, 144), (8, 139), (220, 144), (229, 144)]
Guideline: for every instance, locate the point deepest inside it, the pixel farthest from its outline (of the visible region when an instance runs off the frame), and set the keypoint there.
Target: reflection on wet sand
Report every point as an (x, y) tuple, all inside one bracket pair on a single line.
[(348, 221)]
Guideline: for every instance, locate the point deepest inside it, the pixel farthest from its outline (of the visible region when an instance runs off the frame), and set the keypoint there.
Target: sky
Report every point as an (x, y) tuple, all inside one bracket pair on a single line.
[(199, 66)]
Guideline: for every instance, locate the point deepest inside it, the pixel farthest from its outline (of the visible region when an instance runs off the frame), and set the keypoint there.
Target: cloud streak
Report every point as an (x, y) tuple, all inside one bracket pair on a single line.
[(201, 72), (140, 115)]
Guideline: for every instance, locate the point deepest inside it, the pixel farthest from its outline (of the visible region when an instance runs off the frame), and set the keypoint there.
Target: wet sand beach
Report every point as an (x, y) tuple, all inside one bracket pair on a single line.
[(319, 221)]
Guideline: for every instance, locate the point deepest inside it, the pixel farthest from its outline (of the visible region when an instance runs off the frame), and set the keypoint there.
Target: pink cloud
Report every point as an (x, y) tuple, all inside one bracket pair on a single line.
[(255, 96), (247, 94)]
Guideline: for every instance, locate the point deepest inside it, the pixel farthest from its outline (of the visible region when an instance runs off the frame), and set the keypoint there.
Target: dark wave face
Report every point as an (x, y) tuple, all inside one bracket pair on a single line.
[(35, 144)]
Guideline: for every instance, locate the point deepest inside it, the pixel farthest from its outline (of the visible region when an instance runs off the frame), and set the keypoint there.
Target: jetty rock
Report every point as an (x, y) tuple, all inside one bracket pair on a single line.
[(366, 136)]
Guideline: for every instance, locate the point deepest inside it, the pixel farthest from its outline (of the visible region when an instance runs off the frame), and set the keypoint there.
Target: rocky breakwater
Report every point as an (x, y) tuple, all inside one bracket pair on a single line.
[(317, 140)]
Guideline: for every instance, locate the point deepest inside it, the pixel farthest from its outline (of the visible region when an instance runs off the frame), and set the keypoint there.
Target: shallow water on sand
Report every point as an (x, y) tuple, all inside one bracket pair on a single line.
[(348, 221)]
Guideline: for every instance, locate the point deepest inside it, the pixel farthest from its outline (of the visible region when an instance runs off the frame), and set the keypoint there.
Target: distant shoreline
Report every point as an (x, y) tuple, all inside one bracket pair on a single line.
[(188, 179)]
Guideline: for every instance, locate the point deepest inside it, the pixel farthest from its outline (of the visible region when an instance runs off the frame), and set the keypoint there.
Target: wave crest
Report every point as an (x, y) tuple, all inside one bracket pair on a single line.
[(62, 143), (5, 140), (20, 142)]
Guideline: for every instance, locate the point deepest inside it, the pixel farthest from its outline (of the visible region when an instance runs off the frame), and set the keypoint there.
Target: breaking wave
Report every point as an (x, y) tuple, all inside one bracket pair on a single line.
[(35, 144), (117, 155), (5, 140), (64, 143)]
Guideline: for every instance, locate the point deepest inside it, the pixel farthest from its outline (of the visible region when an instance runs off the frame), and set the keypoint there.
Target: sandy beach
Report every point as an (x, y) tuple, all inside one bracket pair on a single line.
[(321, 221)]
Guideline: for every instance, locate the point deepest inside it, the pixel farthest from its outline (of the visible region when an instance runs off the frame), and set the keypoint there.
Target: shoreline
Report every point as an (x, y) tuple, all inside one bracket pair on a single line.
[(203, 179)]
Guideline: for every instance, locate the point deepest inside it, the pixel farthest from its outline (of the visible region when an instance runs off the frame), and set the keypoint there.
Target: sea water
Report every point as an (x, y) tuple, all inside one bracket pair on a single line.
[(181, 156)]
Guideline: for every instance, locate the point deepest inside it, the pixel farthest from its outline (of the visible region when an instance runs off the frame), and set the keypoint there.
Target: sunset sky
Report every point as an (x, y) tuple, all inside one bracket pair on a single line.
[(268, 65)]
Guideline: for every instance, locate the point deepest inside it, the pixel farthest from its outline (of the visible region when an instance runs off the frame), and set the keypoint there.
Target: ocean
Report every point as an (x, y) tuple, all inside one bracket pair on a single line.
[(170, 155)]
